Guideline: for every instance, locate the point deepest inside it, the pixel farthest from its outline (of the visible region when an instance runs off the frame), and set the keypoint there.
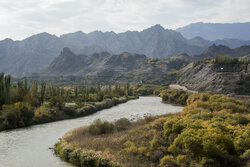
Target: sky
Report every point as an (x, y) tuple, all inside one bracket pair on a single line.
[(22, 18)]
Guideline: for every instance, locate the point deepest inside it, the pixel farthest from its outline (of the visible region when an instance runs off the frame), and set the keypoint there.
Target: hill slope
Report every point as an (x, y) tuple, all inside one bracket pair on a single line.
[(218, 78)]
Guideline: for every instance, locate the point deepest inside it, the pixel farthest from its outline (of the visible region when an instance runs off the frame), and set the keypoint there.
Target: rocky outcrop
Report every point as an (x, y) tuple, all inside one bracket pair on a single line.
[(211, 77)]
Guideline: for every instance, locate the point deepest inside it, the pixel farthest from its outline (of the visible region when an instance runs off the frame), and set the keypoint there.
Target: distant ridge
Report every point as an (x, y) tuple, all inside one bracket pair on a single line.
[(215, 31), (222, 50)]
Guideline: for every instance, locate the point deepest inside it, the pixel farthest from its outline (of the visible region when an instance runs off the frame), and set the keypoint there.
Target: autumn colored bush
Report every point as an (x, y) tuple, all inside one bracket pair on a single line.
[(212, 130)]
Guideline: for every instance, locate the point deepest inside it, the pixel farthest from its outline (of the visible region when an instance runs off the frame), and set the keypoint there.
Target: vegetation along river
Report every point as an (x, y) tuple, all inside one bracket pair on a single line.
[(29, 147)]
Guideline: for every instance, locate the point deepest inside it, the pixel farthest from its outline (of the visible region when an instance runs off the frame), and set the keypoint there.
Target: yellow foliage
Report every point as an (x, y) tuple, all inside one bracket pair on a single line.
[(41, 111), (212, 130)]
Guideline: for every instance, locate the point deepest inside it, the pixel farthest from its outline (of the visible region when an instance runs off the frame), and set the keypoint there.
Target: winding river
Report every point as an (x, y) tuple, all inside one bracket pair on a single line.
[(29, 147)]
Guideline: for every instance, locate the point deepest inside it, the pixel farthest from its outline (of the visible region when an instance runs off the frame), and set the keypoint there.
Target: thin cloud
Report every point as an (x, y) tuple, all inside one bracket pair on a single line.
[(20, 19)]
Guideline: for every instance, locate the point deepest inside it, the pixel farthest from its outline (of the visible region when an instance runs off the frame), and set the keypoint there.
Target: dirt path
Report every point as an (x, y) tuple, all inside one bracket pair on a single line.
[(175, 86)]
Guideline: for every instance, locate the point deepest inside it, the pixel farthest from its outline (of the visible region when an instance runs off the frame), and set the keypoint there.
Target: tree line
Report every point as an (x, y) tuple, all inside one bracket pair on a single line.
[(23, 103)]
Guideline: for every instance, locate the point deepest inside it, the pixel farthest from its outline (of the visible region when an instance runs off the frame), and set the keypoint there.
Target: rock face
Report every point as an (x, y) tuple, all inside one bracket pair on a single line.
[(218, 78), (154, 42), (214, 31), (20, 58), (125, 66)]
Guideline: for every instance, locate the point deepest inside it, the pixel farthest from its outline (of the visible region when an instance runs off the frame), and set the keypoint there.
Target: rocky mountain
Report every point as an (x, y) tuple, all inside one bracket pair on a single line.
[(222, 50), (231, 43), (124, 67), (154, 42), (215, 31), (20, 58), (221, 78)]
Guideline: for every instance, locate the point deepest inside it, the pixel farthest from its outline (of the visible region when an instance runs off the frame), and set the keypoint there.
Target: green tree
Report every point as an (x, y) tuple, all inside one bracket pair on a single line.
[(43, 89)]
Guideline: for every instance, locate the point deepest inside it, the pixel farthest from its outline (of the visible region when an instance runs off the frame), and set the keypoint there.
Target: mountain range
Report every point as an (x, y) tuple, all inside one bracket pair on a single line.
[(107, 64), (124, 67), (107, 68), (215, 31), (33, 54)]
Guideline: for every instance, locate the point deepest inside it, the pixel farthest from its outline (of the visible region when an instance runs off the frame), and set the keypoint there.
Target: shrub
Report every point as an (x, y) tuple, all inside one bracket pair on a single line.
[(173, 126), (242, 142), (41, 113), (57, 101), (99, 127), (174, 96), (122, 124), (168, 161), (26, 113), (69, 111), (18, 115)]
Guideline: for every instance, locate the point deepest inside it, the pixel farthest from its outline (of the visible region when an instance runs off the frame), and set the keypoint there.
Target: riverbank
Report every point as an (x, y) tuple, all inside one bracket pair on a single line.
[(81, 147), (45, 114), (212, 130), (36, 140)]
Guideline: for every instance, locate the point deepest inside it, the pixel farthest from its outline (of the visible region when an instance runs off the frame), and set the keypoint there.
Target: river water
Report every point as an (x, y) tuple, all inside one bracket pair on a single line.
[(29, 147)]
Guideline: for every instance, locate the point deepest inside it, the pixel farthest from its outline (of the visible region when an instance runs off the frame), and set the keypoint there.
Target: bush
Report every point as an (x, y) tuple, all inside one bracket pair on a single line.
[(18, 115), (174, 96), (69, 111), (122, 124), (99, 127), (57, 101), (168, 161)]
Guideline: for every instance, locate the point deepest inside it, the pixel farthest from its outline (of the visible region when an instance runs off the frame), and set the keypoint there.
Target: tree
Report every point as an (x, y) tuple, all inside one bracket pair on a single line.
[(7, 89), (43, 89), (1, 89)]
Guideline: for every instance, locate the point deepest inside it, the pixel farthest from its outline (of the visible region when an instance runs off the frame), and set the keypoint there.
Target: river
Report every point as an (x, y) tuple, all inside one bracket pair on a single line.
[(29, 147)]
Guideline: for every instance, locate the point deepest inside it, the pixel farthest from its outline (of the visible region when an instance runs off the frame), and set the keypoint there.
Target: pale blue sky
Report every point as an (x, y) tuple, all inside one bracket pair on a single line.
[(22, 18)]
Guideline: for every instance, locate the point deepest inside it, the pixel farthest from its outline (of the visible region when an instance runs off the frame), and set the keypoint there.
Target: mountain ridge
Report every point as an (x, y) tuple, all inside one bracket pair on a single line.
[(222, 50), (124, 67), (22, 58), (215, 31)]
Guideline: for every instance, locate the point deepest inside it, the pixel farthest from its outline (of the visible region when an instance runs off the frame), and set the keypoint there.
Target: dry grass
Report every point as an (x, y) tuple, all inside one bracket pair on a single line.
[(112, 146)]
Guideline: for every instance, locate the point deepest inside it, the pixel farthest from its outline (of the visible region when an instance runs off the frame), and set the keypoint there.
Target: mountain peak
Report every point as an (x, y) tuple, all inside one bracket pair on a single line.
[(39, 36), (157, 27), (8, 40), (66, 51), (217, 47)]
